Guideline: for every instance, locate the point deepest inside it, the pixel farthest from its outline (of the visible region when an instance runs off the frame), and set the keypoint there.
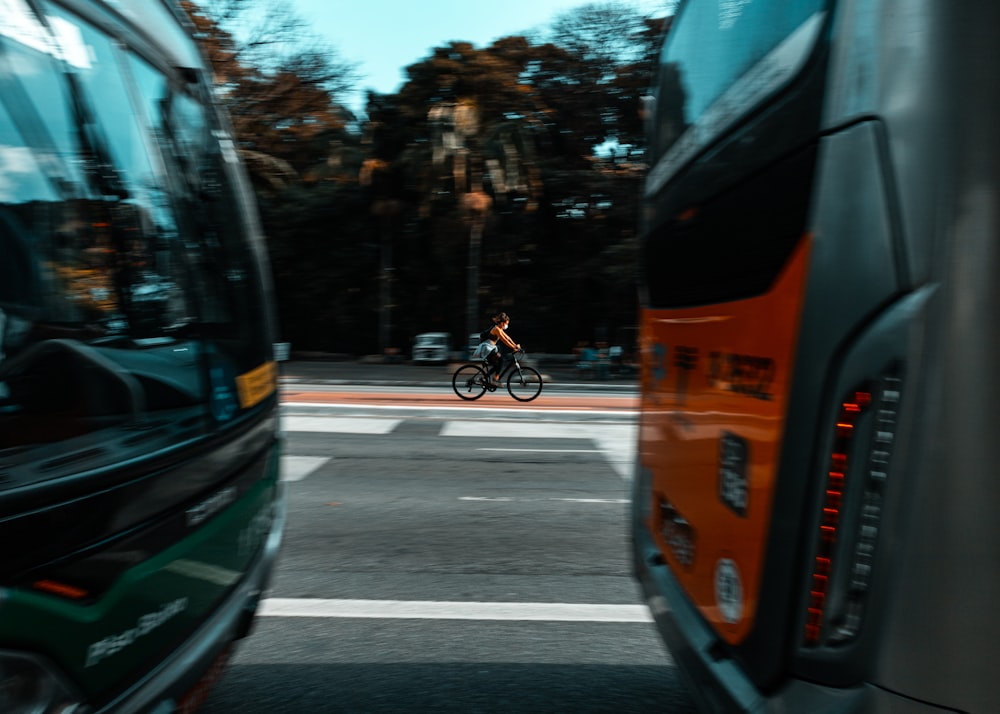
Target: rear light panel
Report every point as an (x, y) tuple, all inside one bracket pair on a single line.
[(851, 512)]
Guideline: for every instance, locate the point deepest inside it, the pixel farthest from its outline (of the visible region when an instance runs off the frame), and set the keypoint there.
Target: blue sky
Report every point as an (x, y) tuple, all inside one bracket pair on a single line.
[(384, 36)]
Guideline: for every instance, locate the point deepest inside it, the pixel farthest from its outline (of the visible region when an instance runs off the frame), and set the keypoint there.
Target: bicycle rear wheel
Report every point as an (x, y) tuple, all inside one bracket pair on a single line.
[(469, 382), (524, 384)]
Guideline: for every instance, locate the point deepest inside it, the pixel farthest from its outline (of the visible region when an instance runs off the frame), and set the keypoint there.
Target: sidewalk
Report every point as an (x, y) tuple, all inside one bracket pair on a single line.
[(434, 375)]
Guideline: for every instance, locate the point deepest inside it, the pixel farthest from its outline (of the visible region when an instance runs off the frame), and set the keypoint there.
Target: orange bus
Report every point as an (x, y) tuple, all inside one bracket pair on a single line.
[(813, 519)]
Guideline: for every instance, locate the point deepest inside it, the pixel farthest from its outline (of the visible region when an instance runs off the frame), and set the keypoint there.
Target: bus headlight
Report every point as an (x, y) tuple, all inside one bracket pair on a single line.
[(28, 686)]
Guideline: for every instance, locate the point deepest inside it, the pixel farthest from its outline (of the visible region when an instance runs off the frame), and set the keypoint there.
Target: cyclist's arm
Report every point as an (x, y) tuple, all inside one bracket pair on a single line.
[(506, 339)]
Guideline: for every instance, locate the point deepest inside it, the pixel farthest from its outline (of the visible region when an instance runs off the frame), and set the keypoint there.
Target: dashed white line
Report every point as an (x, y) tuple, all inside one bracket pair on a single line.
[(296, 468), (546, 451), (615, 441), (518, 499), (339, 425)]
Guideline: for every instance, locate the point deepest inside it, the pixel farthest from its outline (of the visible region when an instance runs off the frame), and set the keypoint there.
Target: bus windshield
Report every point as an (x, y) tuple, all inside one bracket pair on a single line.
[(126, 287), (719, 49)]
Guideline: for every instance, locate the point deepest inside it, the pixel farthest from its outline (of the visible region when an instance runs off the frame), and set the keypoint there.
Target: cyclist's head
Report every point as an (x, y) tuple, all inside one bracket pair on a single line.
[(501, 318)]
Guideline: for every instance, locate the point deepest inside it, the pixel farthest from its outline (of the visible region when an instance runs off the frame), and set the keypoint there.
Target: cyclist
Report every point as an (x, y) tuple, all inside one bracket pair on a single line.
[(494, 335)]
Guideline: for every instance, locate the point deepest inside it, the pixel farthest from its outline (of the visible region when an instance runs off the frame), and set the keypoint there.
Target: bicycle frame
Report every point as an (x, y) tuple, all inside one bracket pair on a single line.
[(505, 370), (472, 380)]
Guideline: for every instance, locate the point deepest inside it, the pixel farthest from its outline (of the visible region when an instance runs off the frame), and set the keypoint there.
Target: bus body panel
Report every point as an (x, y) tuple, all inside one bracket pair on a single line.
[(152, 606), (714, 399), (840, 678), (951, 470), (943, 159)]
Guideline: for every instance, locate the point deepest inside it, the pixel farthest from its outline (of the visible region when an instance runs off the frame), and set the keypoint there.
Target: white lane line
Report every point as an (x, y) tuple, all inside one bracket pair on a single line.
[(440, 610), (296, 468), (495, 428), (511, 499), (339, 425), (616, 441), (549, 451)]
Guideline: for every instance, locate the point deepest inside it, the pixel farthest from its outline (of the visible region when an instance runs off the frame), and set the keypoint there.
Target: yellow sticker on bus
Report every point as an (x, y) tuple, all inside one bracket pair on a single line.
[(716, 383), (258, 384)]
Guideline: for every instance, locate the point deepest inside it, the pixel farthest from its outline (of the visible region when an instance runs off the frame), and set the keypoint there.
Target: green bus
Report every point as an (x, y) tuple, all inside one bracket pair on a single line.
[(141, 509), (813, 509)]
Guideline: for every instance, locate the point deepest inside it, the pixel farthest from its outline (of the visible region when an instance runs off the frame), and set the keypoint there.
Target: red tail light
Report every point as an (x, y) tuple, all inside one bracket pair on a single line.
[(54, 587), (830, 521), (851, 467)]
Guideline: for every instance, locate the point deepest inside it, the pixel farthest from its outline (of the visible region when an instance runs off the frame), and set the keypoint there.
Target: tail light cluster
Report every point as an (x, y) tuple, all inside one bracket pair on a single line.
[(858, 469)]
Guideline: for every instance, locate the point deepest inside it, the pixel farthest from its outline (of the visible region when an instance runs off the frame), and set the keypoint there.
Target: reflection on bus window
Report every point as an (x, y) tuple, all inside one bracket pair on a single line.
[(713, 46), (125, 261)]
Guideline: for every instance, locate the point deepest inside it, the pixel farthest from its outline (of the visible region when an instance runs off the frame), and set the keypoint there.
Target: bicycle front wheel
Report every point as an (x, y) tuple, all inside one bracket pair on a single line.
[(469, 382), (524, 384)]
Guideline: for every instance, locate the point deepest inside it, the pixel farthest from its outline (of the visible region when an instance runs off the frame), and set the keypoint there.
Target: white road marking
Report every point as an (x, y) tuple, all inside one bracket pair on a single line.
[(616, 441), (364, 411), (441, 610), (296, 468), (509, 499), (549, 451), (496, 428), (339, 425)]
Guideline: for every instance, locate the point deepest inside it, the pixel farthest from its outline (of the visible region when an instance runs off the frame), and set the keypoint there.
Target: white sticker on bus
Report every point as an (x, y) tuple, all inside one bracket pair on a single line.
[(728, 591)]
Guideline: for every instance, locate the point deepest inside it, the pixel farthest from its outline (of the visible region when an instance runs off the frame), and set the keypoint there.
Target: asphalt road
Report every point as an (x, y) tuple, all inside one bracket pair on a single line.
[(453, 563)]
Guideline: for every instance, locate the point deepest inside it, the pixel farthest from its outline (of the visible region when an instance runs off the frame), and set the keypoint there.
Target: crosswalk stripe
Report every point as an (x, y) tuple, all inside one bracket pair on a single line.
[(296, 468), (339, 425), (526, 499), (544, 451), (616, 441), (499, 428)]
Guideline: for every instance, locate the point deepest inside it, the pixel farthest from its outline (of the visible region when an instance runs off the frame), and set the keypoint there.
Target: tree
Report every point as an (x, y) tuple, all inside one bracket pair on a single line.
[(506, 176), (488, 144), (610, 56), (282, 88), (281, 85)]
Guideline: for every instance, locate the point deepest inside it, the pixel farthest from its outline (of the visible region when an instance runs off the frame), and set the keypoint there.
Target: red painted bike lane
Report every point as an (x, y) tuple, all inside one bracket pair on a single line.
[(545, 401)]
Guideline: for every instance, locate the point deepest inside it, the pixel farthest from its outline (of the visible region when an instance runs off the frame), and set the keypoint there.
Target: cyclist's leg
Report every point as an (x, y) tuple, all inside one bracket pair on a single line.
[(496, 364), (504, 359)]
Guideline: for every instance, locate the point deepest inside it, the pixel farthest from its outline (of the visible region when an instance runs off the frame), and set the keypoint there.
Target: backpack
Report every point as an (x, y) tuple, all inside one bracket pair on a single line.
[(486, 335)]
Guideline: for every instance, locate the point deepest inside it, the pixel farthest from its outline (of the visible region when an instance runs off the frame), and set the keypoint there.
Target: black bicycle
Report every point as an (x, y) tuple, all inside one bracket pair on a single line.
[(471, 381)]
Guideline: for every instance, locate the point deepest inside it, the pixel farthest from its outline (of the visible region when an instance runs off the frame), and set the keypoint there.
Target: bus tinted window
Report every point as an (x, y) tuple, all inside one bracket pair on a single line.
[(125, 264), (711, 46), (192, 156)]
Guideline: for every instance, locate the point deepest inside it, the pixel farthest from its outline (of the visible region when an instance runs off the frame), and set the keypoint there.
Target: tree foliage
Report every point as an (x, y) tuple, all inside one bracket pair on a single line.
[(497, 178), (280, 85)]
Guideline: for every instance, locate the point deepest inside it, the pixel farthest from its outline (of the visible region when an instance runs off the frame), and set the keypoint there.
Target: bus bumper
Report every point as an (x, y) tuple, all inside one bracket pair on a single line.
[(715, 681), (717, 685), (183, 681)]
